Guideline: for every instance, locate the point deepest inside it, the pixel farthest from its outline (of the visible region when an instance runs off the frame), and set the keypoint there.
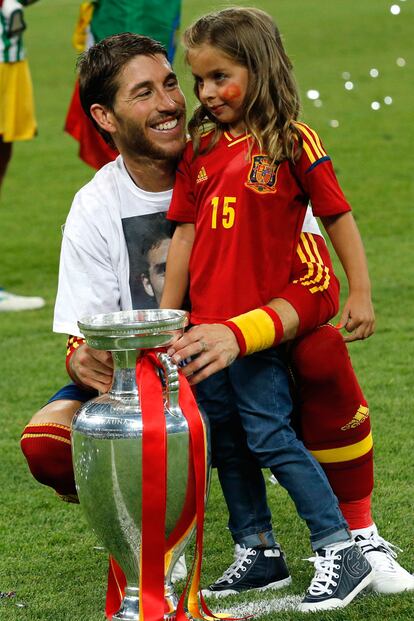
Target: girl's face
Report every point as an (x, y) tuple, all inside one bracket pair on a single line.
[(221, 85)]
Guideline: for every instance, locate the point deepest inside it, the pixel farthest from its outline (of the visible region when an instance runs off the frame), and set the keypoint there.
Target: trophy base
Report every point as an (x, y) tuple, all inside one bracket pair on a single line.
[(129, 610)]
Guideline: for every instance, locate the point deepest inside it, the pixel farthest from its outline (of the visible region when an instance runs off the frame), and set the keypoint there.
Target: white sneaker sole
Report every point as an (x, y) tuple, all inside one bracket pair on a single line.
[(383, 587), (280, 584), (331, 604), (17, 303)]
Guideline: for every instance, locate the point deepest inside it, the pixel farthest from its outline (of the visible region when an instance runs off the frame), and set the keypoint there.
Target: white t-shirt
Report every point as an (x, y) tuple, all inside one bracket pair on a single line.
[(110, 227), (103, 235)]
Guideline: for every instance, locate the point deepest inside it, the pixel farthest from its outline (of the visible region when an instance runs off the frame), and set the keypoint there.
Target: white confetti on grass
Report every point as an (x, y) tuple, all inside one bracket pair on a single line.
[(395, 9), (312, 94)]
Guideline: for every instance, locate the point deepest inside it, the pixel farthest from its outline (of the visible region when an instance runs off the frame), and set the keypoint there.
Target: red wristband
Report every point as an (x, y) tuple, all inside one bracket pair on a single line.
[(71, 346), (278, 324)]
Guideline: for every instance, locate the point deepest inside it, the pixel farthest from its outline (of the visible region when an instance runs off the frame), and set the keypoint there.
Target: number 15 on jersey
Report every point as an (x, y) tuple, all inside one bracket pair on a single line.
[(223, 212)]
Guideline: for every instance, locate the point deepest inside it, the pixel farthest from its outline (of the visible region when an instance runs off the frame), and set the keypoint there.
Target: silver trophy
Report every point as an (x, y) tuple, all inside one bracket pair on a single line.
[(107, 444)]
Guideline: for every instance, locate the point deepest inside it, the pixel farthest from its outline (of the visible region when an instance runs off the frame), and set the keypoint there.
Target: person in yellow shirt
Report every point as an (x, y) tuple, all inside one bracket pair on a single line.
[(17, 117)]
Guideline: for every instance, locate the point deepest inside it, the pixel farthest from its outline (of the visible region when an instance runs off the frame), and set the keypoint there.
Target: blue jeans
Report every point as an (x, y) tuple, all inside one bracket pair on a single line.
[(249, 408)]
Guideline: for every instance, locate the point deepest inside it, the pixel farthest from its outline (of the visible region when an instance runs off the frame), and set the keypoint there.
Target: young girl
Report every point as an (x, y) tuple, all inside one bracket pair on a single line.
[(240, 197)]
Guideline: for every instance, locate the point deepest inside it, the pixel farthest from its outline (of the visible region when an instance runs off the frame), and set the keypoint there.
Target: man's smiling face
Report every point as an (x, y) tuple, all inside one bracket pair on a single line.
[(149, 109)]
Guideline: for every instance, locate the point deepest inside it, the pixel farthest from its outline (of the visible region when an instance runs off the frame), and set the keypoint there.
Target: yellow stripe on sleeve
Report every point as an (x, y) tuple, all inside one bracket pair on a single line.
[(344, 453), (318, 274), (316, 260), (306, 261), (313, 140), (309, 152)]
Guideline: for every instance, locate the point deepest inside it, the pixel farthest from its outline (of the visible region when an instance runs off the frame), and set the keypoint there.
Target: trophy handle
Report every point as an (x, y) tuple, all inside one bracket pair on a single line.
[(171, 383)]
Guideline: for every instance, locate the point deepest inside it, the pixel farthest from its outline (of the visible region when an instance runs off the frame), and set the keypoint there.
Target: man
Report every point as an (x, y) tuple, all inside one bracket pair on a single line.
[(133, 97)]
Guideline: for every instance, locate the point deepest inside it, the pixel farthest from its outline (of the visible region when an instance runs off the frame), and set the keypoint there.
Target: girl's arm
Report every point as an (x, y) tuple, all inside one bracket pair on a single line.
[(358, 314), (176, 274)]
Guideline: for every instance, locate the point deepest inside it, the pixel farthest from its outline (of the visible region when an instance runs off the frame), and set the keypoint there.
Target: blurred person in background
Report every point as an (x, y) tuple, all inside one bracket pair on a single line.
[(17, 118), (158, 19)]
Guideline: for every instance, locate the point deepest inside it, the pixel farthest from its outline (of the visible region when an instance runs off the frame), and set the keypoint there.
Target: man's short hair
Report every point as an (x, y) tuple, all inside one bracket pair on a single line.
[(159, 228), (101, 65)]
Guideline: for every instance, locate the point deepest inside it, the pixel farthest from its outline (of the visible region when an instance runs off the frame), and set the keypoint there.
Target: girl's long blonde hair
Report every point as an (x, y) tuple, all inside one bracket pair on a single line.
[(250, 38)]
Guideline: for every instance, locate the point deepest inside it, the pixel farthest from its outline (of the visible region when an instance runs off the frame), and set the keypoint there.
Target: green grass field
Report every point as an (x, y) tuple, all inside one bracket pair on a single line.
[(47, 553)]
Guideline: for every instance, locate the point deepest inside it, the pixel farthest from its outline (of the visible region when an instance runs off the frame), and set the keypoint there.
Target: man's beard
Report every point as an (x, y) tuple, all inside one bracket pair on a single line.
[(136, 143)]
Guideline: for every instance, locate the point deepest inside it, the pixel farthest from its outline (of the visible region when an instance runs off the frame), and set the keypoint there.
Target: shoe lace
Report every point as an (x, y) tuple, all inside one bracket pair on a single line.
[(375, 543), (325, 573), (242, 557)]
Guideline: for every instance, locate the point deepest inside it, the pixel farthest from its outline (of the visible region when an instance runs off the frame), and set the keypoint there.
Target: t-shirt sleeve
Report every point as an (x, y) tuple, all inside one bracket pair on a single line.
[(316, 175), (182, 207), (88, 283)]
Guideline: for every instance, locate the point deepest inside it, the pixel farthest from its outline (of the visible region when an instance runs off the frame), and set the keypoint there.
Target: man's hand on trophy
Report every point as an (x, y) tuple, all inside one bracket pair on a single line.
[(92, 368), (209, 347)]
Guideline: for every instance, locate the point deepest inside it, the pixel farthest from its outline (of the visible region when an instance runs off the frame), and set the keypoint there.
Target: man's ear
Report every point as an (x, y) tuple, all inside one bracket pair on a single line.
[(146, 283), (103, 117)]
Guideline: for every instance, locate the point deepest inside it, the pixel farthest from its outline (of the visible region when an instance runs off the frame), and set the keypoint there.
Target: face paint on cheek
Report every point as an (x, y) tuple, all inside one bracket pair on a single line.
[(232, 91)]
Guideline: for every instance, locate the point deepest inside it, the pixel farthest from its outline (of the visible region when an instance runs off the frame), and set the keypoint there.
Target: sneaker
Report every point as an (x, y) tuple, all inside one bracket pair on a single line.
[(11, 302), (389, 576), (254, 569), (341, 572)]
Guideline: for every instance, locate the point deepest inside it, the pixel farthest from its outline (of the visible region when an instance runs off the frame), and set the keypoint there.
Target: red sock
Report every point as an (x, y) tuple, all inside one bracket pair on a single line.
[(47, 448), (357, 513)]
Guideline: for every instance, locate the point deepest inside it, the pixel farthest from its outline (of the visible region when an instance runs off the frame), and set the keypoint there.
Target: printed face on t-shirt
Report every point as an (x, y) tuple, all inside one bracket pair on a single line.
[(153, 279), (147, 238)]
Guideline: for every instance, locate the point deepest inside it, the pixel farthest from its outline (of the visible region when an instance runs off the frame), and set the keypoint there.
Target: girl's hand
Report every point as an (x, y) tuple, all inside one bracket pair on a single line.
[(357, 317), (211, 347)]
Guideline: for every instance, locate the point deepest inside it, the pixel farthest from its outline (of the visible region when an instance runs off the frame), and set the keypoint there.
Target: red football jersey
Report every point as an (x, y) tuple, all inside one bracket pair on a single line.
[(248, 216)]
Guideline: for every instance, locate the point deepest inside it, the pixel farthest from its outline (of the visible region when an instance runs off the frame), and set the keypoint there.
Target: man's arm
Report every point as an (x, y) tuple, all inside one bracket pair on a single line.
[(216, 347), (88, 284)]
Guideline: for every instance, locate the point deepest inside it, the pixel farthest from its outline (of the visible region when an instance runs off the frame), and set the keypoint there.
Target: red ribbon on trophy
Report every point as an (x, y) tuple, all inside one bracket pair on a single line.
[(155, 547)]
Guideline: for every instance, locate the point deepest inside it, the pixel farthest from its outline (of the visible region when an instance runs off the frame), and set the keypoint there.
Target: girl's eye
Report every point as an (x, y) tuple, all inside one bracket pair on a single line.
[(219, 77)]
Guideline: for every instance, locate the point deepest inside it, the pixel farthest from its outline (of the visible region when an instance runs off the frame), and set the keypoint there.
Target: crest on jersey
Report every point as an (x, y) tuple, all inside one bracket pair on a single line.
[(262, 175)]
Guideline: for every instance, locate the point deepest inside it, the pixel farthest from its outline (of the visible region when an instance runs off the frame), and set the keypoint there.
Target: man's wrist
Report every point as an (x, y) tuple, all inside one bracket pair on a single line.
[(73, 343), (256, 330)]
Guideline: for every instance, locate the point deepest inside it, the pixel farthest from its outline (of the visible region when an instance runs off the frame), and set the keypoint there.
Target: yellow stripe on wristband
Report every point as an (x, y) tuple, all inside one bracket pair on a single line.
[(257, 328)]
